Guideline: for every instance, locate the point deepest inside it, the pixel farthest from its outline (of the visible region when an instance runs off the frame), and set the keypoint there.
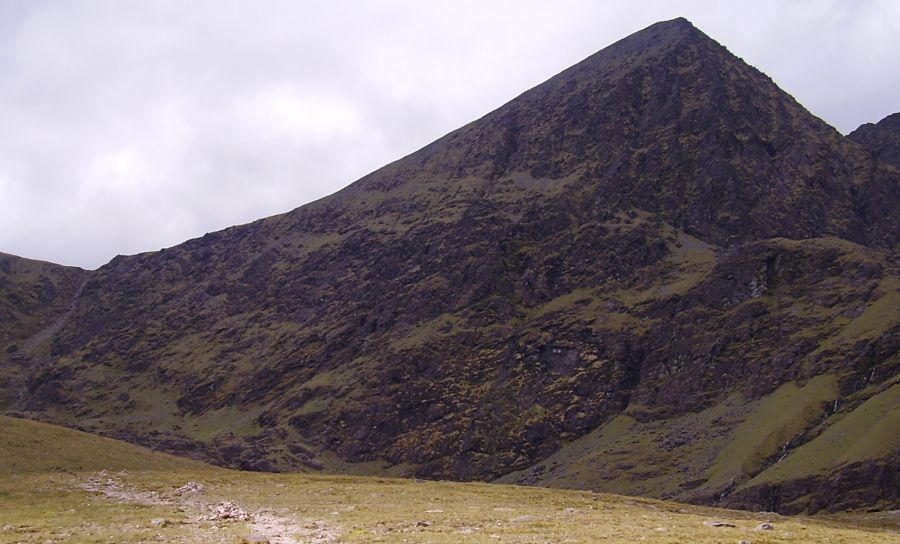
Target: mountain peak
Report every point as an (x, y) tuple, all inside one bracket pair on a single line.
[(671, 30), (666, 120), (661, 35)]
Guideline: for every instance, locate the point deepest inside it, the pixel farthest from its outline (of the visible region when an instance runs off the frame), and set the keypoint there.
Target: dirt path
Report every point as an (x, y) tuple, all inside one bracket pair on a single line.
[(265, 526)]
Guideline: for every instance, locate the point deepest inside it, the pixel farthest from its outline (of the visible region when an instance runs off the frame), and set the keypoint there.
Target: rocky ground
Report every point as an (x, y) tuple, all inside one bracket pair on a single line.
[(204, 518)]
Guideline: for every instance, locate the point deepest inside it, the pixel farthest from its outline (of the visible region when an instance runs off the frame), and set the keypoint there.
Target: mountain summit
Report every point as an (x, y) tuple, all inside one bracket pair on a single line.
[(669, 121), (655, 273)]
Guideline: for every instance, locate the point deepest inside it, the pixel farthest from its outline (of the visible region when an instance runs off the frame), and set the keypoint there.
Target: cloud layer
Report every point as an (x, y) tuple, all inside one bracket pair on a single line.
[(129, 126)]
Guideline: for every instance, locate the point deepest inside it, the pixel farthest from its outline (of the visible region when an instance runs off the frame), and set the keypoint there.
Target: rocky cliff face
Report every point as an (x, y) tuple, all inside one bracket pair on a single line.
[(881, 139), (655, 273), (35, 302)]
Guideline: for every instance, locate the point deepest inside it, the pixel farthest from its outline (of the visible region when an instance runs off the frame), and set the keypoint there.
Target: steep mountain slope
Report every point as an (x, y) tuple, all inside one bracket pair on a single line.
[(35, 300), (628, 270), (882, 139), (32, 294)]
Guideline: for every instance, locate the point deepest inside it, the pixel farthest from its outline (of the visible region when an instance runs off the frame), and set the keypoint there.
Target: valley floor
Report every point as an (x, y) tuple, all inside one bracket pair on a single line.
[(59, 485), (214, 505)]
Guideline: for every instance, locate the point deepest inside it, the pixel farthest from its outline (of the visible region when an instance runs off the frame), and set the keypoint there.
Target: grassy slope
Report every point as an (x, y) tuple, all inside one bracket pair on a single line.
[(624, 454), (41, 467), (867, 432), (33, 447), (739, 440)]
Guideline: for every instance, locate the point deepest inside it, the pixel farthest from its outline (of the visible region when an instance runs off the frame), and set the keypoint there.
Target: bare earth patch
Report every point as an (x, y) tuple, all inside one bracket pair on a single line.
[(265, 526)]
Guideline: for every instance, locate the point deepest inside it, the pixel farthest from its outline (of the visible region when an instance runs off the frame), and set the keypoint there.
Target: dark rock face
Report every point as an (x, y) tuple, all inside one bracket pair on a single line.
[(35, 300), (647, 236), (875, 483), (882, 139)]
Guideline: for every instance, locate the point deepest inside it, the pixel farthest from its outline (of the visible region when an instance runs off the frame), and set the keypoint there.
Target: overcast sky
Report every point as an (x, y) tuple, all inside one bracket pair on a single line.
[(128, 126)]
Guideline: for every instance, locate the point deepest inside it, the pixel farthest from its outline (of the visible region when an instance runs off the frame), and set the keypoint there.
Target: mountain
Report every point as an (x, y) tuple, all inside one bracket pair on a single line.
[(36, 299), (882, 139), (656, 273)]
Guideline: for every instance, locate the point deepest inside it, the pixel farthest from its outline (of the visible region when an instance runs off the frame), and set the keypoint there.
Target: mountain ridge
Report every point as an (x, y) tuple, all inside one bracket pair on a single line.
[(643, 237), (882, 139)]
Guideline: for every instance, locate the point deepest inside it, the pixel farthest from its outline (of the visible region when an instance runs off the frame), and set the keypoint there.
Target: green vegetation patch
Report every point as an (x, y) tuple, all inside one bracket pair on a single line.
[(31, 446), (775, 420), (870, 431)]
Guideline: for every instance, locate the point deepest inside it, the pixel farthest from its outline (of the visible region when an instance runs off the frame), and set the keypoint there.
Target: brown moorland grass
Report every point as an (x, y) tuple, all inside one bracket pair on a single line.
[(44, 471)]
